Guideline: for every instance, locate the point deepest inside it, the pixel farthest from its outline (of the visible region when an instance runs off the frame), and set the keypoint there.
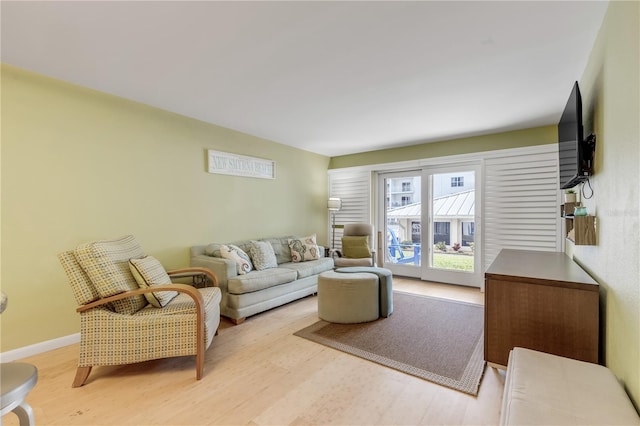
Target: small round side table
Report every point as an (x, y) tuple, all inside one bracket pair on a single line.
[(17, 379)]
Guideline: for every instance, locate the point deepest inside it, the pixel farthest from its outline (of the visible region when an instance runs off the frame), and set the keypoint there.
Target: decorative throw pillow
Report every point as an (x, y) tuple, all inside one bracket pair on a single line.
[(213, 250), (356, 247), (304, 249), (262, 255), (106, 263), (235, 253), (148, 272)]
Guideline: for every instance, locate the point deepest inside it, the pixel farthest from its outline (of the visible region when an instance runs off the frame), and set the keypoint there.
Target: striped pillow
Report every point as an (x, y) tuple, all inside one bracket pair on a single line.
[(148, 272)]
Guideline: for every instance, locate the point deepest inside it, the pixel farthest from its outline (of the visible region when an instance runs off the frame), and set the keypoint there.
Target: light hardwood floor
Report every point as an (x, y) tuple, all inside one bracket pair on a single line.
[(258, 373)]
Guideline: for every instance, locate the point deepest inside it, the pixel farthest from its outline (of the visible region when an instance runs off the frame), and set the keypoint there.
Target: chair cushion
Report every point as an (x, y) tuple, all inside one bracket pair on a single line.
[(148, 272), (235, 253), (356, 247), (107, 265), (83, 289), (342, 262), (304, 249), (183, 303), (262, 255)]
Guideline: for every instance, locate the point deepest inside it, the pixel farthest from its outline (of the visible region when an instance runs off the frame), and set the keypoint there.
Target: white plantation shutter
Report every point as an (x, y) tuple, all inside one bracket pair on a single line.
[(521, 203), (354, 189)]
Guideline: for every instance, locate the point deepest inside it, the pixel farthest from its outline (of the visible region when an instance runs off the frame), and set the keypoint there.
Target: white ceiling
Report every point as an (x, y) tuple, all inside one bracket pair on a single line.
[(329, 77)]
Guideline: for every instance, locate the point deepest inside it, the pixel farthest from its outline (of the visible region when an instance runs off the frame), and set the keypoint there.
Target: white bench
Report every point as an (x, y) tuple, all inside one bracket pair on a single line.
[(544, 389)]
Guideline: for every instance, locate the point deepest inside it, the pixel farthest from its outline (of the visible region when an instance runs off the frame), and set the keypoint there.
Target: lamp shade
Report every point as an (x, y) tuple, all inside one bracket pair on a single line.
[(334, 204)]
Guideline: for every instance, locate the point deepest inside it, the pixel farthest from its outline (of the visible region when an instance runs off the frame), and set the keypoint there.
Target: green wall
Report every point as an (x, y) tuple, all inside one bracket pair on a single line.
[(496, 141), (79, 165), (610, 88)]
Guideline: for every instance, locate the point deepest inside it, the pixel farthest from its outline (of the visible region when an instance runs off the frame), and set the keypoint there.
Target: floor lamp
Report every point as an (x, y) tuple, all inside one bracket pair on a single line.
[(334, 205)]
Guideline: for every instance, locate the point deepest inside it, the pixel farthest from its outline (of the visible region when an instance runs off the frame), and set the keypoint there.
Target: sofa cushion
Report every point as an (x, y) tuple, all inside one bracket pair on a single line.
[(281, 248), (356, 247), (307, 269), (262, 255), (304, 249), (259, 280), (107, 265), (148, 272), (235, 253)]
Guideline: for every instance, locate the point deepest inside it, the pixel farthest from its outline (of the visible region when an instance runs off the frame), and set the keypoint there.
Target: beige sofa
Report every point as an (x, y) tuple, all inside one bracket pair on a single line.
[(256, 291)]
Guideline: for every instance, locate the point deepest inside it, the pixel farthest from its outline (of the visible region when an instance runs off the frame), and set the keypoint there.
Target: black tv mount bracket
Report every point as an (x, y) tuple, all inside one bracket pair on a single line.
[(590, 144), (590, 141)]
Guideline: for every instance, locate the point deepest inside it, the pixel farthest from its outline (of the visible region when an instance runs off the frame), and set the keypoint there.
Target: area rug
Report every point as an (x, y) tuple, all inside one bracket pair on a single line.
[(435, 339)]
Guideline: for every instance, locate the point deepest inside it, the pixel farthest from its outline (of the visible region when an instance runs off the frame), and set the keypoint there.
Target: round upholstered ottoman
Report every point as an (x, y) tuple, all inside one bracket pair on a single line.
[(348, 298)]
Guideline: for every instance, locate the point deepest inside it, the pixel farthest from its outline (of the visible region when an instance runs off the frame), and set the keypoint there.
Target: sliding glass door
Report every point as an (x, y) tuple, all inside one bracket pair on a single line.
[(451, 217), (431, 221), (401, 221)]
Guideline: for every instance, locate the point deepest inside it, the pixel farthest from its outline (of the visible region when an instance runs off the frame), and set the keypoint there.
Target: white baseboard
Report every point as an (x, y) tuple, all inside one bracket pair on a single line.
[(39, 348)]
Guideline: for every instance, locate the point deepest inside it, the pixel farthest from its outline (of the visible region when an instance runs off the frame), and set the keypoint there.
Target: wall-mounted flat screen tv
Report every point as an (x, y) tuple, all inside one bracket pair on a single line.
[(574, 153)]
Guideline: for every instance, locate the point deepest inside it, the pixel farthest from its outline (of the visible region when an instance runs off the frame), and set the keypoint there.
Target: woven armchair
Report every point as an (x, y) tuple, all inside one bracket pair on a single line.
[(119, 326)]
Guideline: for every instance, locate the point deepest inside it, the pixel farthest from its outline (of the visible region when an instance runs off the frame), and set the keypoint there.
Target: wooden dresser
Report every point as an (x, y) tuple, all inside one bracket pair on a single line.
[(542, 301)]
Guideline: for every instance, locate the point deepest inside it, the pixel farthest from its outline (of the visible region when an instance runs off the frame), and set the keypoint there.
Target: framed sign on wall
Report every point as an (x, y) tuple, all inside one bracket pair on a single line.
[(240, 165)]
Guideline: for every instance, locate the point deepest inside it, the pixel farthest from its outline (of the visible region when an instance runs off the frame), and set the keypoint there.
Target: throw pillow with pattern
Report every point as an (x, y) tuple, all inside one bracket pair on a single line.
[(262, 255), (148, 272), (304, 249), (235, 253)]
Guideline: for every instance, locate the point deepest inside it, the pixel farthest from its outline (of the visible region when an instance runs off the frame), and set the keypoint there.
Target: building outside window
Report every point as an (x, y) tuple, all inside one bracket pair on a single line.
[(441, 232), (468, 233), (398, 188), (457, 181)]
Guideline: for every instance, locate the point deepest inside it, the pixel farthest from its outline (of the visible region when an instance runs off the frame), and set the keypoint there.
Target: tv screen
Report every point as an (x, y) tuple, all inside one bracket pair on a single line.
[(573, 167)]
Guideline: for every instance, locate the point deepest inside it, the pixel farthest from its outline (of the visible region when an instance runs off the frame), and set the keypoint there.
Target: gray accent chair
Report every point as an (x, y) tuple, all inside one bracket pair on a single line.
[(357, 230)]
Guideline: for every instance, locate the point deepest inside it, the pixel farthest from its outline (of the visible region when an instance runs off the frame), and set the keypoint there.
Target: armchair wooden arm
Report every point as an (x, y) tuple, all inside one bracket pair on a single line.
[(181, 288), (189, 272)]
